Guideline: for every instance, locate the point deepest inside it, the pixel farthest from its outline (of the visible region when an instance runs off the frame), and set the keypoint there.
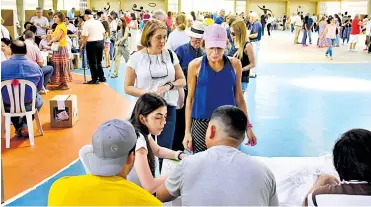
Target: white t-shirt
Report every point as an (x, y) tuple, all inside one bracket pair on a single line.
[(72, 28), (368, 28), (94, 30), (4, 32), (153, 71), (221, 176), (298, 21), (141, 143), (177, 38), (43, 21)]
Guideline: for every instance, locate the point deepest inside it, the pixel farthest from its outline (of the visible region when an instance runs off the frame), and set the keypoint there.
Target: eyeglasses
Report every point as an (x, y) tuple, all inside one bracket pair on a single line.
[(153, 72)]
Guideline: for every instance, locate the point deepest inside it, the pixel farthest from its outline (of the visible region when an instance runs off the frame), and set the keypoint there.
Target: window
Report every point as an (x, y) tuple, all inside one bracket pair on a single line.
[(240, 6), (173, 5)]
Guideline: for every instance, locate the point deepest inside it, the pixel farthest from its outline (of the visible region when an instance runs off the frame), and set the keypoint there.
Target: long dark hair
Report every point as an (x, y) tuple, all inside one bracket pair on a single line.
[(123, 27), (352, 155), (106, 27), (145, 105)]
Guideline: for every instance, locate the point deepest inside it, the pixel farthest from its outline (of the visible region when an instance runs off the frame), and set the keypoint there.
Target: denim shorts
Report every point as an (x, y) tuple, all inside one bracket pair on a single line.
[(244, 86)]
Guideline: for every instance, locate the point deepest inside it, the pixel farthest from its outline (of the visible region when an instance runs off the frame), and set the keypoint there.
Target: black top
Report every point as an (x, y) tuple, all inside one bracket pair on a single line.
[(245, 61)]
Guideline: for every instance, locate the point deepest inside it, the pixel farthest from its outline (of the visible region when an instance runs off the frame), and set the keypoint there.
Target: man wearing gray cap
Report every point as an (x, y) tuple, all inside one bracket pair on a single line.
[(107, 161)]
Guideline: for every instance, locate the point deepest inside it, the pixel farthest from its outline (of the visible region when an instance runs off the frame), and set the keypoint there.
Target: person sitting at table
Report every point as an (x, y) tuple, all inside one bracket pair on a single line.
[(6, 52), (149, 118), (33, 29), (19, 67), (221, 175), (352, 161)]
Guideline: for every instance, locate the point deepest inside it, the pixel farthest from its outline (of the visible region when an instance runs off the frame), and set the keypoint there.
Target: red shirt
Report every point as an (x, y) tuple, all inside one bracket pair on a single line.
[(356, 29)]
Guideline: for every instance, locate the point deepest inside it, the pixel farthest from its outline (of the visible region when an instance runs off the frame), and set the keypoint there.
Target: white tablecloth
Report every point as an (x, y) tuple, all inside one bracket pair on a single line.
[(294, 175)]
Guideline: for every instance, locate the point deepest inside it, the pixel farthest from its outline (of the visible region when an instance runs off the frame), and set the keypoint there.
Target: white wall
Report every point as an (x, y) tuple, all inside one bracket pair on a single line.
[(160, 4), (207, 5), (306, 7)]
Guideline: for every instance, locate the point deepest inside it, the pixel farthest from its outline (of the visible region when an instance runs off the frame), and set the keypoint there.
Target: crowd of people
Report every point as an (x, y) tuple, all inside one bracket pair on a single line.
[(189, 75)]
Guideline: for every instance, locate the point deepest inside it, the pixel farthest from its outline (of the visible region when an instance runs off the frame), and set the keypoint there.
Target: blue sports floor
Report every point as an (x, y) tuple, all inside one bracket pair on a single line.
[(297, 110)]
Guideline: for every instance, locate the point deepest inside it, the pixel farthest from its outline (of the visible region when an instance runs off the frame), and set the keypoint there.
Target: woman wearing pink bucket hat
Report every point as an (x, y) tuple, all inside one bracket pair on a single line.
[(213, 80)]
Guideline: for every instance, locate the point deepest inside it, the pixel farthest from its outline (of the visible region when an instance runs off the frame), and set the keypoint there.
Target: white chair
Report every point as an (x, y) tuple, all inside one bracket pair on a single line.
[(341, 200), (18, 108)]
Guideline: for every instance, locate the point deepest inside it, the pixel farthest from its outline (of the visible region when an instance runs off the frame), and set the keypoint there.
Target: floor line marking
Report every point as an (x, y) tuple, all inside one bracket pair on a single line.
[(39, 184)]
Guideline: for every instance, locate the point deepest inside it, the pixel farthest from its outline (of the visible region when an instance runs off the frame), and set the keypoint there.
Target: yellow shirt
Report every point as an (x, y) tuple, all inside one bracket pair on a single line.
[(90, 190), (62, 41)]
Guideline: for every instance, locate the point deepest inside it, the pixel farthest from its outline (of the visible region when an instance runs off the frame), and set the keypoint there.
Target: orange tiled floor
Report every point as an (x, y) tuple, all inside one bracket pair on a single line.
[(25, 166)]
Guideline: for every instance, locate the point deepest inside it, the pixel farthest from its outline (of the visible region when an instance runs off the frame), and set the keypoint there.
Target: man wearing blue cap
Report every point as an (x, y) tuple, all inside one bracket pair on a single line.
[(107, 161)]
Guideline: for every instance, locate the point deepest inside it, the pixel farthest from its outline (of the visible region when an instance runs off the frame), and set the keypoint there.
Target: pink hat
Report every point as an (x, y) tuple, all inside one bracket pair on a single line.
[(215, 36)]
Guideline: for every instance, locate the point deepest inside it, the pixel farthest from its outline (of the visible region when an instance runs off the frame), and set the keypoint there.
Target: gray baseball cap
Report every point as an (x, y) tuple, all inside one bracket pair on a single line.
[(111, 143)]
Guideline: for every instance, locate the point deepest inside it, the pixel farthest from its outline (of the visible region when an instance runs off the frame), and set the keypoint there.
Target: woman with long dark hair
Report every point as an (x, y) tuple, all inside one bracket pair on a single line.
[(149, 119), (352, 161), (122, 46)]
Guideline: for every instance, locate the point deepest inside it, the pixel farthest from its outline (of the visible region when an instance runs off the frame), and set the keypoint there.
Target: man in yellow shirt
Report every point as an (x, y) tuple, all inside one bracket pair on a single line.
[(109, 161)]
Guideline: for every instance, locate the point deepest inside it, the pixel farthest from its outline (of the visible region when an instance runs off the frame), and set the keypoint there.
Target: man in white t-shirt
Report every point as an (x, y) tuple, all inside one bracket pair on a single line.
[(298, 23), (222, 175), (40, 21), (92, 36)]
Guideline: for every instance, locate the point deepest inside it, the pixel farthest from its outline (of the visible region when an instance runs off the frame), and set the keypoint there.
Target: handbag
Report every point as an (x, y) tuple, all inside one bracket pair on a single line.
[(55, 46)]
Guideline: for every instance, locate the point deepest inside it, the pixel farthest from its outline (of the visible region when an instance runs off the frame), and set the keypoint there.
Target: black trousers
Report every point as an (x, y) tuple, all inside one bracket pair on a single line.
[(269, 29), (180, 126), (263, 28), (94, 52)]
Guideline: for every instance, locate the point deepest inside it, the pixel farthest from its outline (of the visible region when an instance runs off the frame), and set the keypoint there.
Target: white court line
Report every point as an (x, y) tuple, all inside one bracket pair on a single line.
[(39, 184)]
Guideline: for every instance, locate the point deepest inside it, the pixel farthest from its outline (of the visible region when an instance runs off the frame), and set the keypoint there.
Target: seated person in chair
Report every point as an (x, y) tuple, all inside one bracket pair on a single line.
[(352, 161), (109, 160), (222, 175), (19, 67), (34, 55)]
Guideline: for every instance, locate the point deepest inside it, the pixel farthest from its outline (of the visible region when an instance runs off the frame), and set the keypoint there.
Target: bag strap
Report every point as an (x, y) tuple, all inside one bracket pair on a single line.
[(171, 56)]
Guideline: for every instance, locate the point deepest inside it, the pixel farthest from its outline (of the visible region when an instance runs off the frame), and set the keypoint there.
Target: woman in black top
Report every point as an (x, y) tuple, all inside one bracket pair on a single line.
[(242, 50)]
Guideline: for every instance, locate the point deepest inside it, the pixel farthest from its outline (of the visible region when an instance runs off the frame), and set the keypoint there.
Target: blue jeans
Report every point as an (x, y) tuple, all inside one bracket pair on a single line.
[(329, 50), (84, 58), (304, 40), (244, 86), (48, 72), (292, 28), (112, 50), (167, 136), (346, 34), (21, 122)]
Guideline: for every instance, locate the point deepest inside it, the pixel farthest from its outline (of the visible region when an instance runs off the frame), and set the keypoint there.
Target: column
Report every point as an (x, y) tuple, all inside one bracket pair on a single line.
[(179, 6), (55, 5), (234, 6), (318, 7), (369, 7), (287, 9), (247, 7), (20, 15), (121, 4), (41, 3), (167, 6)]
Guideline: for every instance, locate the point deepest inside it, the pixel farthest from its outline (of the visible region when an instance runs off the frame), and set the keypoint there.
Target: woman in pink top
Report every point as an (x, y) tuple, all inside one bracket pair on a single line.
[(330, 35)]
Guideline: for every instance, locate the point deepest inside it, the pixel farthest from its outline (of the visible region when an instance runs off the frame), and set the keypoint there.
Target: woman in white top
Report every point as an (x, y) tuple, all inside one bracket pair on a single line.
[(134, 31), (156, 69), (269, 24), (148, 119), (330, 35), (179, 36), (6, 52)]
